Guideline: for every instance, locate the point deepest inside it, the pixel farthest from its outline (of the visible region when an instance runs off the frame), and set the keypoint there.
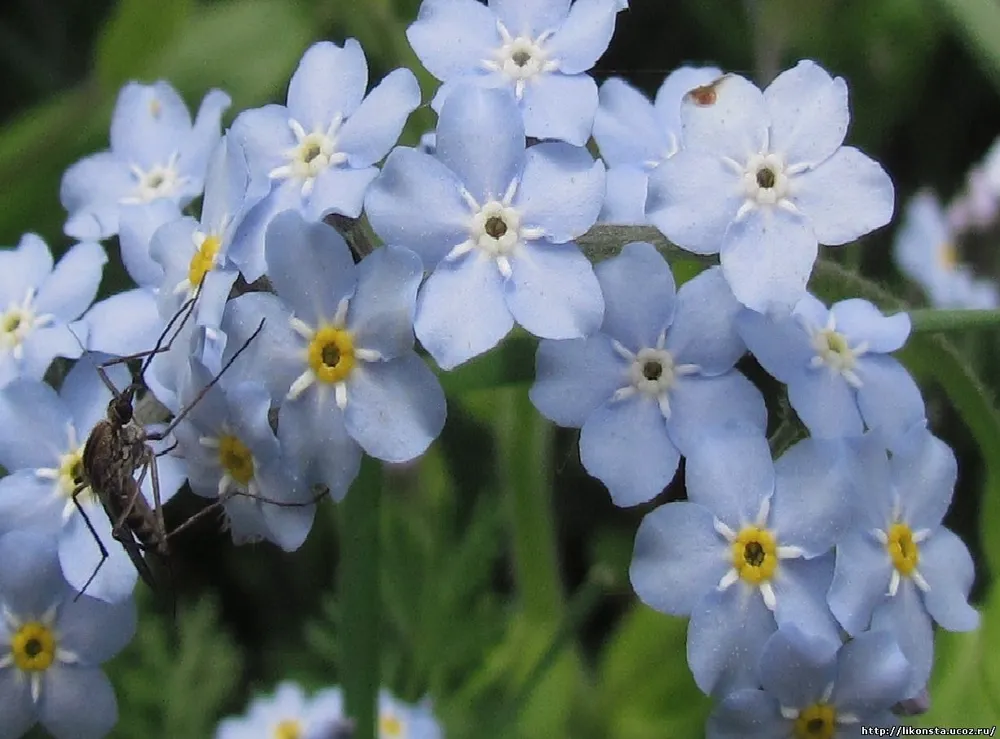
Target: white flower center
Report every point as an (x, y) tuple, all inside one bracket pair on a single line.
[(159, 181), (653, 372), (17, 323), (495, 230), (834, 352), (765, 180), (521, 58), (313, 153)]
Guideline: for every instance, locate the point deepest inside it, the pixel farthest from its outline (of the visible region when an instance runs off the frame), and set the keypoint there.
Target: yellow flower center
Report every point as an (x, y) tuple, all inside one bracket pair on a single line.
[(331, 354), (818, 721), (203, 260), (34, 647), (71, 473), (902, 548), (755, 554), (390, 727), (288, 729), (236, 459), (947, 256)]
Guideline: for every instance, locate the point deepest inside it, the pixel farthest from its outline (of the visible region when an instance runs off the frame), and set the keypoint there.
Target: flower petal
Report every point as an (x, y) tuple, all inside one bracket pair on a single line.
[(340, 190), (584, 35), (845, 197), (860, 580), (905, 617), (264, 135), (148, 124), (530, 18), (726, 635), (90, 191), (275, 357), (374, 128), (559, 106), (480, 137), (872, 674), (316, 441), (137, 224), (796, 667), (96, 631), (416, 202), (703, 331), (826, 403), (860, 321), (248, 245), (671, 94), (678, 558), (34, 424), (625, 196), (125, 323), (924, 471), (781, 346), (729, 119), (553, 291), (767, 258), (889, 399), (624, 444), (626, 128), (28, 501), (381, 313), (639, 295), (29, 579), (80, 557), (574, 377), (693, 197), (395, 409), (310, 266), (697, 404), (947, 567), (561, 190), (809, 113), (77, 701), (329, 81), (71, 287), (18, 709), (800, 592), (747, 714), (469, 26)]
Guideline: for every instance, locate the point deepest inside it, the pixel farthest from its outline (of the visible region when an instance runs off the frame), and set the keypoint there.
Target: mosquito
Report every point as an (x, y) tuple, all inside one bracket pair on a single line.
[(118, 446)]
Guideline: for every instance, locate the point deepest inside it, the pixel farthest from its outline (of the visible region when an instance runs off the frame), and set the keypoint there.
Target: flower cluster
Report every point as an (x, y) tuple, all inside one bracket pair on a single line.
[(286, 352)]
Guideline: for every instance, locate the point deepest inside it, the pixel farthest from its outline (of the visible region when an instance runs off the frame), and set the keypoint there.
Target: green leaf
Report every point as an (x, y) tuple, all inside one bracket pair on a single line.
[(135, 35), (979, 23), (965, 685), (645, 687), (926, 320)]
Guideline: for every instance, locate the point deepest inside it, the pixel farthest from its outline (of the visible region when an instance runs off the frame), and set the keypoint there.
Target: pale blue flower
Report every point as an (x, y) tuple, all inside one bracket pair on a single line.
[(539, 50), (38, 302), (230, 451), (52, 643), (288, 712), (42, 437), (636, 136), (805, 691), (762, 179), (336, 351), (493, 221), (750, 550), (155, 153), (837, 365), (399, 720), (925, 251), (317, 155), (898, 569), (656, 376)]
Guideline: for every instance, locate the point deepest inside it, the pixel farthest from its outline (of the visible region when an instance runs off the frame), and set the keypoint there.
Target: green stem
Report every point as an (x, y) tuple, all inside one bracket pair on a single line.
[(927, 320), (525, 442), (359, 594)]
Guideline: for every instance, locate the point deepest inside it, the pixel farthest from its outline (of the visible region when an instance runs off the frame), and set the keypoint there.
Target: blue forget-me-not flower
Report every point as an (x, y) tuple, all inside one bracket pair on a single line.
[(336, 352), (805, 692), (317, 154), (52, 643), (155, 153), (837, 366), (749, 551), (539, 50), (42, 437), (38, 303), (653, 379), (762, 178), (493, 221), (289, 713), (636, 136), (898, 568)]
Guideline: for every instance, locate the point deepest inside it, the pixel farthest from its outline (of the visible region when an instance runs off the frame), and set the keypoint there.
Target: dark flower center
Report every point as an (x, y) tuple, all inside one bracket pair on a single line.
[(754, 554), (520, 58), (765, 178), (496, 227), (652, 370)]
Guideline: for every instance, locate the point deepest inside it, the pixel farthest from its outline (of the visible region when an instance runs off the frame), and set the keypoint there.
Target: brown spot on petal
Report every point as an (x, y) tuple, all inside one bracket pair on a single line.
[(705, 95)]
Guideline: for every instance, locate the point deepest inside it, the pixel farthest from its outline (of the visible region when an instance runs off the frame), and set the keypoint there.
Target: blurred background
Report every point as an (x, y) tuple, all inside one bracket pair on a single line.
[(503, 566)]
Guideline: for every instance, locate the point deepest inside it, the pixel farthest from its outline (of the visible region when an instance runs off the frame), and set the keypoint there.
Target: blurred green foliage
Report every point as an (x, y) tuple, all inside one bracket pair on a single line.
[(503, 590)]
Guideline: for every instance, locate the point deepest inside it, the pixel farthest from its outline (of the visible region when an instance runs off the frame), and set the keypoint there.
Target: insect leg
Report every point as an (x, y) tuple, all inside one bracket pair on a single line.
[(100, 544)]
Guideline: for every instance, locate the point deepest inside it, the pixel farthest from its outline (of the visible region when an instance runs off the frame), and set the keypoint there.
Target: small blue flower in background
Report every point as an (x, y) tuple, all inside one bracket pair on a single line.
[(762, 178), (493, 221), (42, 437), (540, 51), (193, 254), (653, 380), (231, 452), (336, 352), (837, 367), (38, 302), (399, 720), (155, 153), (924, 250), (898, 568), (808, 693), (288, 714), (52, 644), (318, 154), (749, 551), (636, 136)]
